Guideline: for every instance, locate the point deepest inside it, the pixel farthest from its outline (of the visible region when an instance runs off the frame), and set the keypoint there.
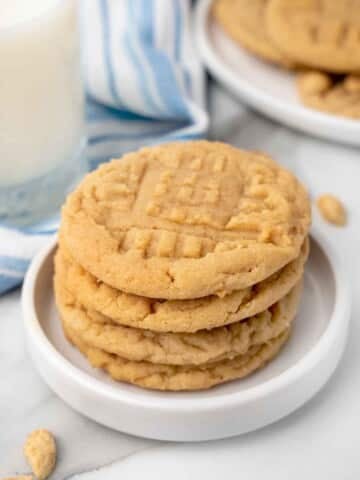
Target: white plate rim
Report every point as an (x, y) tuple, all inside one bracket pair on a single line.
[(262, 101), (338, 321)]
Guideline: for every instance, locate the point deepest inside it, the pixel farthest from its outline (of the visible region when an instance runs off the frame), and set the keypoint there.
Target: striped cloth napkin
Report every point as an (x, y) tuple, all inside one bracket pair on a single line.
[(144, 85)]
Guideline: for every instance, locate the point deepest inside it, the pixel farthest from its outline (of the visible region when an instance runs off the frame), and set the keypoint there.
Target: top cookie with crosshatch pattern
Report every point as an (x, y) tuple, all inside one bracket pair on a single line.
[(186, 220), (324, 34)]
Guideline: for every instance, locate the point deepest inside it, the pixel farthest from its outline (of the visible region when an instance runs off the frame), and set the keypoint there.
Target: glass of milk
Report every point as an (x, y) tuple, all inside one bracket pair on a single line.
[(41, 108)]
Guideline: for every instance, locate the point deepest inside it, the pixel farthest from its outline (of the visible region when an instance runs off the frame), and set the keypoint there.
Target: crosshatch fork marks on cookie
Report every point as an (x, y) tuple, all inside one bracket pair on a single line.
[(189, 203), (247, 219), (321, 33)]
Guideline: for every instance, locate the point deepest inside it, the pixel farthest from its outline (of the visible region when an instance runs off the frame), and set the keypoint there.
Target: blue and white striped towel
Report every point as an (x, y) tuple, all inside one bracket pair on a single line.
[(145, 85)]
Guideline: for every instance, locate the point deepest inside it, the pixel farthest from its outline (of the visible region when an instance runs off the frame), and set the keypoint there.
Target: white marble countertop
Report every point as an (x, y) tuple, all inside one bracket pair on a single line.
[(319, 441)]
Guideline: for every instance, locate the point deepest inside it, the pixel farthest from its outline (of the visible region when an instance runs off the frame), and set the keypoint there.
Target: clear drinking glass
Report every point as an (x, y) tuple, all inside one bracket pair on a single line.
[(42, 135)]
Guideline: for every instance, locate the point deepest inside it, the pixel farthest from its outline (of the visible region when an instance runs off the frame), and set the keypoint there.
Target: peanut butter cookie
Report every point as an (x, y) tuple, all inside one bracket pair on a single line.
[(244, 22), (186, 220), (322, 34), (174, 377), (175, 315), (204, 346), (338, 96)]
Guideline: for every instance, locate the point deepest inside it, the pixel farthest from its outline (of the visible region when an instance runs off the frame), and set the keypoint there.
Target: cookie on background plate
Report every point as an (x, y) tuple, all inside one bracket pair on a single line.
[(175, 377), (244, 22), (186, 220), (338, 96), (323, 34), (198, 348)]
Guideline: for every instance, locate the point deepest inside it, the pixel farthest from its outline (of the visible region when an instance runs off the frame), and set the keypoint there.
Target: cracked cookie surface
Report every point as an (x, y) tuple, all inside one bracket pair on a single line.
[(186, 220), (175, 377), (175, 315), (201, 347)]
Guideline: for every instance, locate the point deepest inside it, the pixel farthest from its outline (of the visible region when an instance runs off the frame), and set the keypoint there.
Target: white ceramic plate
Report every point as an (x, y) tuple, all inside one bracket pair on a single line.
[(264, 87), (300, 370)]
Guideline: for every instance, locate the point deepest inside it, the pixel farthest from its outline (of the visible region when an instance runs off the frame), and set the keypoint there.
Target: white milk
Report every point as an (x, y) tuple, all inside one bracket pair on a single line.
[(41, 99)]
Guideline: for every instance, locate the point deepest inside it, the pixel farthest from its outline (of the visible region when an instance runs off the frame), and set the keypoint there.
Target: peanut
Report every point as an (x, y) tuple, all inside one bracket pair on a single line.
[(40, 452), (331, 209)]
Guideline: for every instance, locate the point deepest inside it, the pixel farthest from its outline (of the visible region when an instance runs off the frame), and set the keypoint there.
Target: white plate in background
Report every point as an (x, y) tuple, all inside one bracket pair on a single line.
[(262, 86), (299, 371)]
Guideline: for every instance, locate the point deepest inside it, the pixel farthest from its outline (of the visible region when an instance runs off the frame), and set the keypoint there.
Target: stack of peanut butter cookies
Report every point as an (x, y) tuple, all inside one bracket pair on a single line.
[(180, 266), (320, 38)]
